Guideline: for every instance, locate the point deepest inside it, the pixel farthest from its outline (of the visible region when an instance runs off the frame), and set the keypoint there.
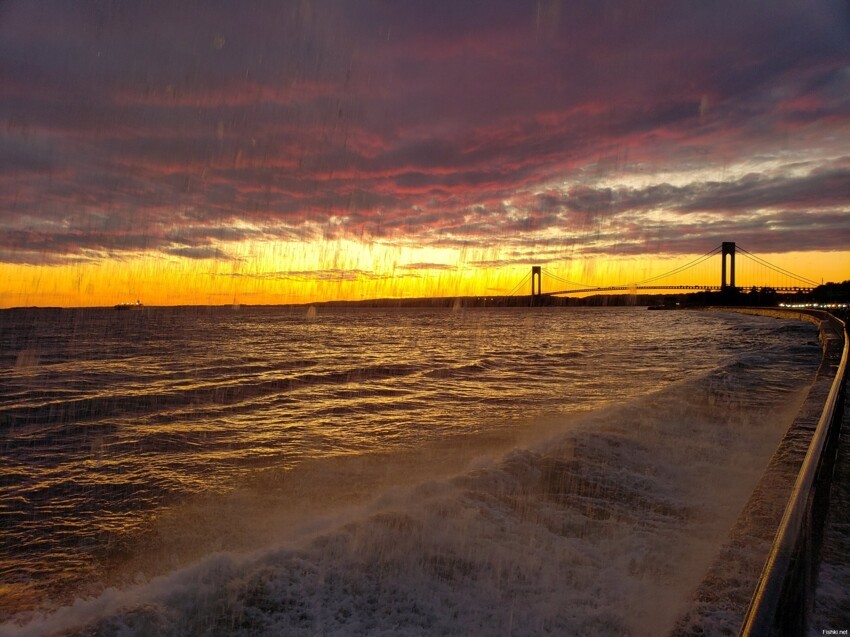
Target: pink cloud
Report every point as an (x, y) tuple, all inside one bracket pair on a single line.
[(409, 123)]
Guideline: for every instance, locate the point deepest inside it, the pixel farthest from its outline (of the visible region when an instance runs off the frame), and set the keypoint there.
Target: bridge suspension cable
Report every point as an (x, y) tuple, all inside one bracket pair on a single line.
[(682, 268), (775, 268), (726, 249), (524, 281), (567, 281)]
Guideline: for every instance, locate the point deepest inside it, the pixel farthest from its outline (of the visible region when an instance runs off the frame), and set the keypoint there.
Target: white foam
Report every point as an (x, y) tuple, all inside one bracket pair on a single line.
[(603, 528)]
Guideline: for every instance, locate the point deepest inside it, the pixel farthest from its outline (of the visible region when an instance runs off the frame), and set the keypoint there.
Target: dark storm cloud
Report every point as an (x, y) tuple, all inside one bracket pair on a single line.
[(74, 243), (783, 232), (21, 157), (171, 126), (824, 188), (200, 252)]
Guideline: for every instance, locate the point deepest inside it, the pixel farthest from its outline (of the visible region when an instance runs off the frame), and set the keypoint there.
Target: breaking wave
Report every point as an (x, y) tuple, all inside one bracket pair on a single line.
[(601, 523)]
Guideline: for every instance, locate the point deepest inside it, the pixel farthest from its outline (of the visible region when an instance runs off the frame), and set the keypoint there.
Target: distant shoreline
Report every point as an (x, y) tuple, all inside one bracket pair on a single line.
[(834, 292), (598, 300), (424, 302)]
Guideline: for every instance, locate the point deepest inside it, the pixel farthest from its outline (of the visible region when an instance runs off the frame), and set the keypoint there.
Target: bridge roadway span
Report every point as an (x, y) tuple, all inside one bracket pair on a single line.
[(629, 288)]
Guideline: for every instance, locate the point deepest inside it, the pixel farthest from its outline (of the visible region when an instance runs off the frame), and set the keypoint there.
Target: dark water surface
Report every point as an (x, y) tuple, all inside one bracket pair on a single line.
[(490, 471)]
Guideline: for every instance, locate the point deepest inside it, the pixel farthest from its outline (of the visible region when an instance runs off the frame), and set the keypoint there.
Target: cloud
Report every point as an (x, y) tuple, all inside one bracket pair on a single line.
[(325, 275), (177, 129), (201, 252), (427, 266), (822, 188)]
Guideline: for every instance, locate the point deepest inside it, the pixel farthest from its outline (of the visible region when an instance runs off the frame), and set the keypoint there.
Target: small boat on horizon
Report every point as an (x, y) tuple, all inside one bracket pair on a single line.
[(130, 306)]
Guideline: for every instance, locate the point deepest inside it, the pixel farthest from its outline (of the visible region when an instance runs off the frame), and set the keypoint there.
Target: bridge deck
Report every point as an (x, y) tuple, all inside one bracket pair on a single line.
[(635, 288)]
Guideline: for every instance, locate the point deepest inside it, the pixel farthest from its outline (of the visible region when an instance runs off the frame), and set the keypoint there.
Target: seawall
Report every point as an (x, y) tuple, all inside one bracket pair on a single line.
[(720, 603)]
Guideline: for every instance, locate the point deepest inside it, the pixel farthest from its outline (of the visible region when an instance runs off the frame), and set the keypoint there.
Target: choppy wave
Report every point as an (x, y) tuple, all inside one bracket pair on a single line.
[(601, 523)]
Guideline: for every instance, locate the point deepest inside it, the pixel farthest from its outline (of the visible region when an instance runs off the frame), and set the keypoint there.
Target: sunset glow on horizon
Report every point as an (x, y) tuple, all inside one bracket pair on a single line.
[(158, 281), (203, 153)]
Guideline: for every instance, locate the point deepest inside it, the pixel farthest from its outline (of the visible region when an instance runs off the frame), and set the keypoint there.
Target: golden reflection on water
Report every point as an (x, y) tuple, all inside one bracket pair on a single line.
[(128, 426)]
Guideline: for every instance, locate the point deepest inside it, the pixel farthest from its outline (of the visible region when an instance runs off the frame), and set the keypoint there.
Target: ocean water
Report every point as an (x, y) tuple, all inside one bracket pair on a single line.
[(267, 471)]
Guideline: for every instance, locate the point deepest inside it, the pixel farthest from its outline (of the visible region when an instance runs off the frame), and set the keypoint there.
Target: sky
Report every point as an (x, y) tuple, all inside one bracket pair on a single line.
[(271, 152)]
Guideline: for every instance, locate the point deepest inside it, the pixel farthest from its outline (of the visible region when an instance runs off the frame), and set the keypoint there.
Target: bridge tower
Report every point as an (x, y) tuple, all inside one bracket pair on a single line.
[(727, 248), (536, 292)]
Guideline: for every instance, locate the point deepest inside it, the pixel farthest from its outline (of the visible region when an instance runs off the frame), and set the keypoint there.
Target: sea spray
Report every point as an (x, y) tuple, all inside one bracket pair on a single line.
[(603, 526)]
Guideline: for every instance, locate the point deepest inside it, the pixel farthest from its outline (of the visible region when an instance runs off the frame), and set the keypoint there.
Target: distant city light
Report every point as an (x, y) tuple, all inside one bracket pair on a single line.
[(830, 306)]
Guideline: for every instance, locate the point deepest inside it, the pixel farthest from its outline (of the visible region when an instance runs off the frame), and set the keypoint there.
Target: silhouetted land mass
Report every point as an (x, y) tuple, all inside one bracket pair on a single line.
[(826, 293), (832, 292)]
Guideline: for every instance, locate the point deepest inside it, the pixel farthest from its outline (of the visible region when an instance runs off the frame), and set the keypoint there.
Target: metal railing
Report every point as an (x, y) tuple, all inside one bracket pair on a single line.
[(781, 603)]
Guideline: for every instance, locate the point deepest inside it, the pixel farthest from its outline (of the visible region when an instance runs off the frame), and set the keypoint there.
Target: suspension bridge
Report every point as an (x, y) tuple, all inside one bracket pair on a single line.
[(761, 275)]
